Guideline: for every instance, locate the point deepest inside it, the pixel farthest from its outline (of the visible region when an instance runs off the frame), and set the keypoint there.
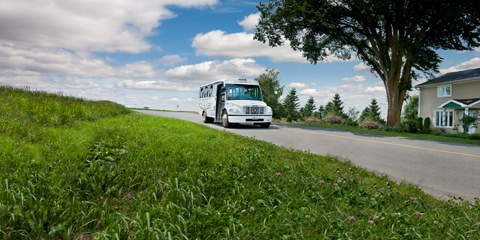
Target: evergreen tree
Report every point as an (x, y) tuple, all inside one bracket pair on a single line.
[(269, 82), (291, 103), (320, 112), (309, 108), (335, 107), (372, 112)]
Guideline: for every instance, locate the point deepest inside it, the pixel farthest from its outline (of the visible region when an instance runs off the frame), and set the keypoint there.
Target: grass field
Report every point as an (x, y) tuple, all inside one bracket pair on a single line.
[(106, 173)]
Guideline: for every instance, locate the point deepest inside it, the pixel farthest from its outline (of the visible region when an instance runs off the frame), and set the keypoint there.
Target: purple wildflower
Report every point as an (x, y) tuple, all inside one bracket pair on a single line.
[(335, 184), (279, 174), (419, 213), (373, 199), (341, 175), (351, 169), (412, 198), (322, 182), (478, 224), (388, 184), (379, 190), (352, 219), (370, 221)]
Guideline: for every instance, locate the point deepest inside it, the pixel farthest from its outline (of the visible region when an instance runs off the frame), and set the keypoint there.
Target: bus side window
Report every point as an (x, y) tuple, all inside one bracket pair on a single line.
[(200, 93)]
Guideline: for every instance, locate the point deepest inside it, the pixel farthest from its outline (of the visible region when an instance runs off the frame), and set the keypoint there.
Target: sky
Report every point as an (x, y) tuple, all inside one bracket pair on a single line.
[(156, 53)]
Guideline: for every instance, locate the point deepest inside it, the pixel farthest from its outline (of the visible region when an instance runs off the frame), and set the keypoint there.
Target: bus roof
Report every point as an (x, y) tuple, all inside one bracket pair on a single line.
[(234, 81)]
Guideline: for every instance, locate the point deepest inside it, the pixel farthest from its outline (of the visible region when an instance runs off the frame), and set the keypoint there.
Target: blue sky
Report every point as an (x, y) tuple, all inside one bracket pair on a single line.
[(156, 53)]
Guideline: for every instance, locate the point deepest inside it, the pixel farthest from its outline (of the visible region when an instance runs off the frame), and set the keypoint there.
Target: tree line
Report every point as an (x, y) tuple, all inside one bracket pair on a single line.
[(333, 112)]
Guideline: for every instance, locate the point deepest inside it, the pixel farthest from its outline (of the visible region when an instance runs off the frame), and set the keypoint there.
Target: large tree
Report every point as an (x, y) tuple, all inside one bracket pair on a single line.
[(397, 39), (270, 82)]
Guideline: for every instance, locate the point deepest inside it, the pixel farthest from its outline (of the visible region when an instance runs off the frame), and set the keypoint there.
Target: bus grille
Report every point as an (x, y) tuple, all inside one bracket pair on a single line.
[(254, 110)]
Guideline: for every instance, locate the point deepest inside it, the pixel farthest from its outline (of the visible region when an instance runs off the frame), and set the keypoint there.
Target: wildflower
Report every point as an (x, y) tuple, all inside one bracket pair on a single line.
[(341, 175), (370, 221), (335, 184), (388, 184), (412, 198), (301, 164), (478, 224), (351, 169), (352, 219), (322, 182), (373, 199), (279, 174), (269, 155), (419, 213), (313, 163), (379, 190)]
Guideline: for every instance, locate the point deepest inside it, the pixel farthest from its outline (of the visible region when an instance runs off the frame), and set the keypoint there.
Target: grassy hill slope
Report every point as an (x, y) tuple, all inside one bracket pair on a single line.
[(76, 169)]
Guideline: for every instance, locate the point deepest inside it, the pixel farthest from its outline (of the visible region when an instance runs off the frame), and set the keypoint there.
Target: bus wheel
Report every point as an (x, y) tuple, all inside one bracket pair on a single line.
[(205, 119), (225, 122)]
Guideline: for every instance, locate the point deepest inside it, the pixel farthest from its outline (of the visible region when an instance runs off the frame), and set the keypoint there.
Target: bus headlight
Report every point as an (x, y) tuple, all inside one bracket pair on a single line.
[(269, 110), (233, 110)]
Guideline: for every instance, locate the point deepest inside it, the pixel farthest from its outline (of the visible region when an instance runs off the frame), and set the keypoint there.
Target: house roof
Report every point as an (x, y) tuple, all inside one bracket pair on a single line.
[(453, 77), (460, 103)]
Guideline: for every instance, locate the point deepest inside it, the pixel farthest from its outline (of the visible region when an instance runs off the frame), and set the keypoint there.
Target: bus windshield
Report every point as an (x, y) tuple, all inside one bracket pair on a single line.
[(243, 92)]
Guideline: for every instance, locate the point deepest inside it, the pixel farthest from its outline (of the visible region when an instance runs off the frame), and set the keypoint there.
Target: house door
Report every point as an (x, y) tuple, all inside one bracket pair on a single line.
[(471, 129)]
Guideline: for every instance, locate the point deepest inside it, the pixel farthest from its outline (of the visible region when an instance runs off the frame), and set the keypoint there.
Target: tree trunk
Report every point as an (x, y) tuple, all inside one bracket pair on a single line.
[(395, 103)]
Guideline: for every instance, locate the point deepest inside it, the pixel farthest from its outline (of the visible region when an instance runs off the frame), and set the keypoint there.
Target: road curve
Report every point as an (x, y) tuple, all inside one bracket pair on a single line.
[(441, 169)]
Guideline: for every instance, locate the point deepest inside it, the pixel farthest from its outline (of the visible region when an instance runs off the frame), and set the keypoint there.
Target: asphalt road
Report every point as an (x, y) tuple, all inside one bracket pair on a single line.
[(441, 169)]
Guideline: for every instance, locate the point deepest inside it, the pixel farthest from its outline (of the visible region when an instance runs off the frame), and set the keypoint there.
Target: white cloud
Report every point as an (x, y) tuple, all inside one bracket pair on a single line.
[(361, 67), (250, 22), (219, 44), (53, 61), (301, 85), (214, 70), (89, 25), (354, 79), (375, 89), (471, 64), (170, 60), (155, 85), (140, 69)]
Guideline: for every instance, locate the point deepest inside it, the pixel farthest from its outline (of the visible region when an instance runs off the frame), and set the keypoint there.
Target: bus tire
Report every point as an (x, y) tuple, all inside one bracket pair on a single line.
[(206, 119), (225, 122), (265, 125)]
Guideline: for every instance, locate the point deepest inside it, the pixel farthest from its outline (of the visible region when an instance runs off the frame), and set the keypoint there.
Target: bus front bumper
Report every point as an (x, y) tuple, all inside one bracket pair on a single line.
[(247, 119)]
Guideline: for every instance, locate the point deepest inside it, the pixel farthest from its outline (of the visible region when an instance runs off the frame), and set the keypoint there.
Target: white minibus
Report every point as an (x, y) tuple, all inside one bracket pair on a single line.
[(234, 101)]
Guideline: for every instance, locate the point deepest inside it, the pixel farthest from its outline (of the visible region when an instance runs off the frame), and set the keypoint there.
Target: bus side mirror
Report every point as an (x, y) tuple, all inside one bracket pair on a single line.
[(222, 89)]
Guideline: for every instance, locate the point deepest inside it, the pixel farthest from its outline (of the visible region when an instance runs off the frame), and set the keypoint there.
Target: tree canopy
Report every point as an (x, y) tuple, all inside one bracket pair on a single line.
[(397, 39)]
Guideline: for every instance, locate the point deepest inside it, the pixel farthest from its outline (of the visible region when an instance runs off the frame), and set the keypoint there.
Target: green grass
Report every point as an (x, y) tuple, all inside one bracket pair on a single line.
[(395, 134), (132, 176)]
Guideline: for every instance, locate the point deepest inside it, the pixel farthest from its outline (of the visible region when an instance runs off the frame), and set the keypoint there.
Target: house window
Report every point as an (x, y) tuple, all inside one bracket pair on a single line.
[(444, 91), (444, 119)]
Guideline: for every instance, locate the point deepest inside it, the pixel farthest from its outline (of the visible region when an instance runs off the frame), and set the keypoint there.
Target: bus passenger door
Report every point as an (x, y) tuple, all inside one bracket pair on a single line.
[(220, 102)]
